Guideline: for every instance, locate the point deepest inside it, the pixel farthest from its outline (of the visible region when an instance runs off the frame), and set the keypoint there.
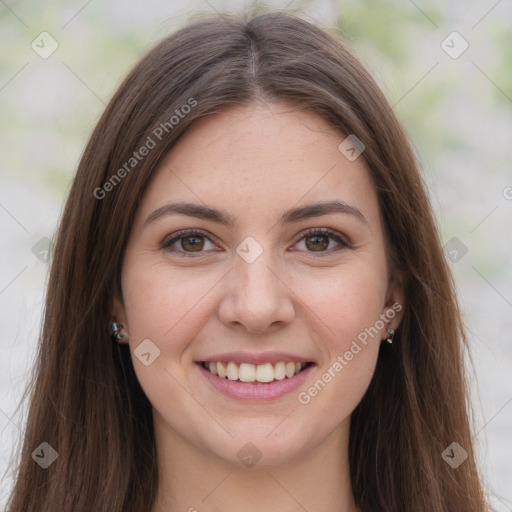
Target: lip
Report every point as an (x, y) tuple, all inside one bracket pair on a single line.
[(251, 358), (250, 392)]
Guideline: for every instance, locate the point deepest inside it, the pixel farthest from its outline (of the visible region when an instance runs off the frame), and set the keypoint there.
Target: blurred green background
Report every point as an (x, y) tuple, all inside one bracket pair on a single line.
[(457, 111)]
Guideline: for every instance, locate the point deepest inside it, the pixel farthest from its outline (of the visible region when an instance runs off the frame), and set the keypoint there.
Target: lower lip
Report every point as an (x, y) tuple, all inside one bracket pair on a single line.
[(248, 391)]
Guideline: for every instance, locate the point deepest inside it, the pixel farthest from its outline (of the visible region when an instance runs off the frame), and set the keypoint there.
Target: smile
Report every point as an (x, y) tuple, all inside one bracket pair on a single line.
[(258, 373), (254, 382)]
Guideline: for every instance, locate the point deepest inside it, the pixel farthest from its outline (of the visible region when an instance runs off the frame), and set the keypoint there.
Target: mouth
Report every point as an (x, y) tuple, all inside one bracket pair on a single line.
[(255, 374)]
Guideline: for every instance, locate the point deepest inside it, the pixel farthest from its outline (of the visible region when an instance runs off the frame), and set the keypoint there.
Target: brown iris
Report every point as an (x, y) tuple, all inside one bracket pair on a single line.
[(192, 243), (318, 245)]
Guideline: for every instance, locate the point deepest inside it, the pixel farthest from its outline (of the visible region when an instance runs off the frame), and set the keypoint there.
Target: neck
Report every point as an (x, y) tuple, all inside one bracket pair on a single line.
[(194, 480)]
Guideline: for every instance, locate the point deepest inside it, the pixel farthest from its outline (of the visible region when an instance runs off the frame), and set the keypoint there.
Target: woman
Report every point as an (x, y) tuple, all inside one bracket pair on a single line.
[(249, 305)]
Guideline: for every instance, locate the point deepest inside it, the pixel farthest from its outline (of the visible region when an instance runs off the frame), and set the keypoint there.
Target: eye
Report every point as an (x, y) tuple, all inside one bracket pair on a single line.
[(319, 241), (190, 241), (194, 241)]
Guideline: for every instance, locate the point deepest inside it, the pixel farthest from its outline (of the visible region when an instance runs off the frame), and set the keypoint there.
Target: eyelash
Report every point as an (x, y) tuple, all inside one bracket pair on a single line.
[(166, 243)]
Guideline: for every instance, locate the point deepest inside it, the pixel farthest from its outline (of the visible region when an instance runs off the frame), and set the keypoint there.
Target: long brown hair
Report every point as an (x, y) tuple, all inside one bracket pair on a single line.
[(85, 400)]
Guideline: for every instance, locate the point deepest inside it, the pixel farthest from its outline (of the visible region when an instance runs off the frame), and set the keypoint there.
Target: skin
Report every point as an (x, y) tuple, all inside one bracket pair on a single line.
[(256, 162)]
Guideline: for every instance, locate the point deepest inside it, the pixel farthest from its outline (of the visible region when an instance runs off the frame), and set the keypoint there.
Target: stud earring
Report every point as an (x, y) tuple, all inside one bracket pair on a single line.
[(116, 328), (391, 334)]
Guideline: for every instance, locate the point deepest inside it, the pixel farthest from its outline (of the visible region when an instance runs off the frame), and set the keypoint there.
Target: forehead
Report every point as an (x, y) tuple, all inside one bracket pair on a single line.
[(261, 157)]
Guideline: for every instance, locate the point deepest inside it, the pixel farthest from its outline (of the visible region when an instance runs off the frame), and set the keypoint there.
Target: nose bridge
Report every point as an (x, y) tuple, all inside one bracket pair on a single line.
[(256, 298), (253, 262), (256, 279), (254, 282)]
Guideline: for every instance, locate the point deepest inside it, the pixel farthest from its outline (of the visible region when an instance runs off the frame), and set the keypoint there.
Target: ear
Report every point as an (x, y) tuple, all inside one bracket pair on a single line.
[(119, 316), (394, 306)]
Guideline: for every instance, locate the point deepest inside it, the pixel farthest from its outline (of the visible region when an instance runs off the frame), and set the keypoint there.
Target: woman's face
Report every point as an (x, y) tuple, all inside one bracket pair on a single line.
[(253, 284)]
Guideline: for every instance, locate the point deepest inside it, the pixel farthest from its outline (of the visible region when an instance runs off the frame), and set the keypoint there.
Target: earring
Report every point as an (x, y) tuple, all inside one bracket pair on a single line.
[(116, 328), (391, 334)]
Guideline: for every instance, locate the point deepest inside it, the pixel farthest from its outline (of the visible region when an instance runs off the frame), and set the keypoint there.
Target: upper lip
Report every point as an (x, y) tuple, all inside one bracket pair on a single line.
[(252, 358)]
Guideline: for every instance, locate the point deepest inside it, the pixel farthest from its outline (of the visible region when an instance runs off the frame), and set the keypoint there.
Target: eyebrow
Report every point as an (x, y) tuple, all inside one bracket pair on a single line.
[(226, 219)]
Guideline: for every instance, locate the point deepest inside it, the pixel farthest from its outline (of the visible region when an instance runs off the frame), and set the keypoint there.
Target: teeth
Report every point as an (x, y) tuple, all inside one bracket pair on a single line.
[(221, 370), (213, 368), (265, 372), (290, 369), (246, 372), (280, 371)]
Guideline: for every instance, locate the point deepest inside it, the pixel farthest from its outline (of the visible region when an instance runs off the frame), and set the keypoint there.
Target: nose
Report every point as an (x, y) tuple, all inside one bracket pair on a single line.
[(257, 296)]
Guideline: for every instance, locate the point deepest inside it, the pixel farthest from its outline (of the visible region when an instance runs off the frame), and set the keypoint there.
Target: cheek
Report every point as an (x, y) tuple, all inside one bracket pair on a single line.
[(167, 308), (345, 300), (345, 308), (161, 304), (337, 389)]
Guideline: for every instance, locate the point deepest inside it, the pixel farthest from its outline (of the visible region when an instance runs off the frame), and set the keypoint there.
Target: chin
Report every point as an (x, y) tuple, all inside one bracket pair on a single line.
[(265, 444)]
